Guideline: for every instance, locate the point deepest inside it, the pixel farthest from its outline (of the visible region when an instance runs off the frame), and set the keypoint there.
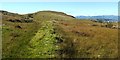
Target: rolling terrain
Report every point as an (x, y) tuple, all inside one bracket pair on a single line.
[(111, 18), (51, 34)]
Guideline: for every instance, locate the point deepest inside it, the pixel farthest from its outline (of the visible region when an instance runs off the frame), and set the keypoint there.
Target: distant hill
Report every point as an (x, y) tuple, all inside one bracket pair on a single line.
[(56, 12), (111, 18), (8, 13)]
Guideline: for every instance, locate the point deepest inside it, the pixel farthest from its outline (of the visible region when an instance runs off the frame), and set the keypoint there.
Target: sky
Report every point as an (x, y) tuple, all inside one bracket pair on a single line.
[(71, 8), (59, 0)]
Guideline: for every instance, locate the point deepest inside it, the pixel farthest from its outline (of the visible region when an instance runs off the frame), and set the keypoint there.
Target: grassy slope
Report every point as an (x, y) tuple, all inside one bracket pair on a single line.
[(15, 40), (42, 45), (89, 41), (57, 35)]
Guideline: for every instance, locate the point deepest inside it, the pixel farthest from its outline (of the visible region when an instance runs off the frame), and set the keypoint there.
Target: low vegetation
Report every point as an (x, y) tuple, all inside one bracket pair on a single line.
[(49, 34)]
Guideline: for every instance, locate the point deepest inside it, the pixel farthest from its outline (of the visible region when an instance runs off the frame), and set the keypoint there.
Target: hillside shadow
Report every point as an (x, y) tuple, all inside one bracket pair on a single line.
[(67, 46), (68, 49)]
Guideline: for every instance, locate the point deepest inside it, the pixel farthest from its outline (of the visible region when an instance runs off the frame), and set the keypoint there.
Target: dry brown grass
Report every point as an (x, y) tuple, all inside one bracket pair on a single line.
[(90, 41)]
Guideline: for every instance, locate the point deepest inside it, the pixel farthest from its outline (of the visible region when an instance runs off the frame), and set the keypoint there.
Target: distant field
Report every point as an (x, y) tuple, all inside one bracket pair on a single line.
[(49, 34)]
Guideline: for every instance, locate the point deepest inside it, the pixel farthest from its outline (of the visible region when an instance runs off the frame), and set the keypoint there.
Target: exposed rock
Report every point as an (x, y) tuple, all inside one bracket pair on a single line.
[(81, 33), (18, 27)]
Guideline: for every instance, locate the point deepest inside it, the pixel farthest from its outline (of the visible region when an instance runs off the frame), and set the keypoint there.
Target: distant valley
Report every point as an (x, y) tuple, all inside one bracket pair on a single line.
[(111, 18)]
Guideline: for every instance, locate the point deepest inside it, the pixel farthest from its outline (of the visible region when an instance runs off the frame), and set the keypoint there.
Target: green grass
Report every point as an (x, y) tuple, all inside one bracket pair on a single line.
[(15, 40), (42, 45)]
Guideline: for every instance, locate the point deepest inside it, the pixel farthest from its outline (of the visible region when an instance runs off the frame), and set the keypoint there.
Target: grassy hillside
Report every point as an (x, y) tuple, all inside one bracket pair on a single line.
[(49, 34)]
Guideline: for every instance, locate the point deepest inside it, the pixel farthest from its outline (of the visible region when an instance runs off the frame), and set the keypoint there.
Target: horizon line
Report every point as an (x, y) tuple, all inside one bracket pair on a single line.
[(55, 11)]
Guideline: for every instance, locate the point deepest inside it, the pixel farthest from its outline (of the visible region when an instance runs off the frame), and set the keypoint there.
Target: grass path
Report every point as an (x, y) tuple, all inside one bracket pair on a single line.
[(42, 45)]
